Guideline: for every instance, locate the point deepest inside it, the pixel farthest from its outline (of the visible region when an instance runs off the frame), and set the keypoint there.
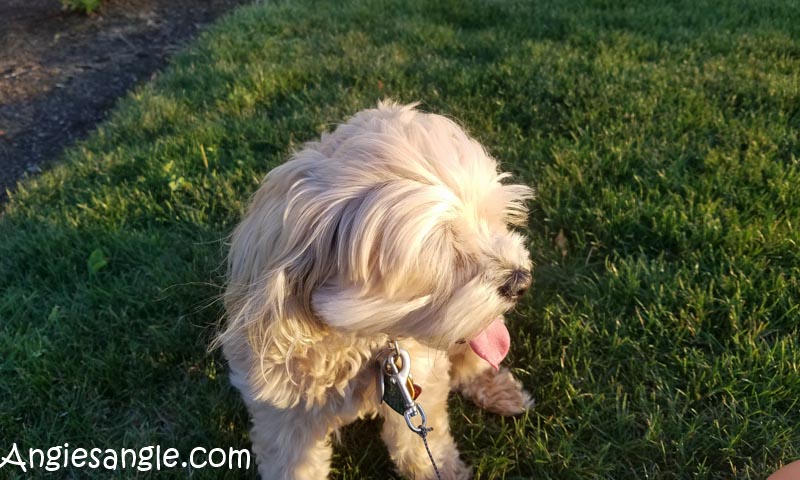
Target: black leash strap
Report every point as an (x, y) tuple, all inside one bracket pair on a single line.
[(424, 435)]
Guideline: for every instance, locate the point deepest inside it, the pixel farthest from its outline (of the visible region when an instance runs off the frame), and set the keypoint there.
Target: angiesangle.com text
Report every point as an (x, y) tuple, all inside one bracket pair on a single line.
[(144, 459)]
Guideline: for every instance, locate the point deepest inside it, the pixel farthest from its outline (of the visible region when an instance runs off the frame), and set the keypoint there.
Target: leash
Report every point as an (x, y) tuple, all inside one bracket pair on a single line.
[(424, 436), (398, 391)]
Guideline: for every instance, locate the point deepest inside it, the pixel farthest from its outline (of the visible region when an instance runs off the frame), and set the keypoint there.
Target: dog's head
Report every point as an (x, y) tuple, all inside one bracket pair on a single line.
[(396, 223)]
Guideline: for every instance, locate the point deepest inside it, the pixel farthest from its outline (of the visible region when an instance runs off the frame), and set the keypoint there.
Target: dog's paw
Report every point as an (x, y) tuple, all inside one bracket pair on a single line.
[(455, 469), (449, 465), (499, 392)]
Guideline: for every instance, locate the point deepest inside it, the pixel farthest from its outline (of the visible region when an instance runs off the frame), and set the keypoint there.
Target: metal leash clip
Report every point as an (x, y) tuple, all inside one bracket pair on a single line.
[(398, 391), (396, 387)]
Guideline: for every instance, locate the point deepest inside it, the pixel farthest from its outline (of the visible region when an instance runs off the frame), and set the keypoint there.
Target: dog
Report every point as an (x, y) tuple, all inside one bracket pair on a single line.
[(396, 227)]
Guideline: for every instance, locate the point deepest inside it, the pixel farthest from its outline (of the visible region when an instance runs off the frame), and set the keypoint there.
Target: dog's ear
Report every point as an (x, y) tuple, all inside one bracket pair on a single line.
[(349, 310), (279, 253), (274, 260)]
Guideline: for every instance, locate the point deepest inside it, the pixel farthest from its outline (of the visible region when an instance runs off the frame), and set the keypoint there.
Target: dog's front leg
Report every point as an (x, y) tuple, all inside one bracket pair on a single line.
[(289, 444), (429, 371), (494, 390)]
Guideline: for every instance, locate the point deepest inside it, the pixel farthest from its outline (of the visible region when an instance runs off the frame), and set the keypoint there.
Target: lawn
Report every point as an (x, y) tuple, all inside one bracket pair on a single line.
[(661, 337)]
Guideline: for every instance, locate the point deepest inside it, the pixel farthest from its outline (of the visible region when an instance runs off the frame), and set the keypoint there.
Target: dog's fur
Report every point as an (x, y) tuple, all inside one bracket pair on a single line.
[(394, 226)]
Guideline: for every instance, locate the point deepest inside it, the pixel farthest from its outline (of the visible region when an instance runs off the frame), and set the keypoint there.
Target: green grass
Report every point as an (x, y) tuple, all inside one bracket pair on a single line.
[(663, 139), (83, 6)]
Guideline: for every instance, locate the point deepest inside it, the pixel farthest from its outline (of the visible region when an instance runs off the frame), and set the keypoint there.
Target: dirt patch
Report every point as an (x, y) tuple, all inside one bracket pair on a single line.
[(60, 72)]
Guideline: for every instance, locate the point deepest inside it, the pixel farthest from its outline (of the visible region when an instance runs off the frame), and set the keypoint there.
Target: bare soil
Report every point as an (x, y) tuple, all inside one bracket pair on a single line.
[(61, 71)]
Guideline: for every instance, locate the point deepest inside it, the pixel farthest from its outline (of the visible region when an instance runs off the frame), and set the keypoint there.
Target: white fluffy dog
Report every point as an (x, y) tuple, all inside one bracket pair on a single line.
[(396, 226)]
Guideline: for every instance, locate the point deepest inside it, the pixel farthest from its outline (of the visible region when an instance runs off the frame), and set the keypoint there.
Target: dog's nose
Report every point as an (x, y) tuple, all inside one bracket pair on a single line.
[(517, 284)]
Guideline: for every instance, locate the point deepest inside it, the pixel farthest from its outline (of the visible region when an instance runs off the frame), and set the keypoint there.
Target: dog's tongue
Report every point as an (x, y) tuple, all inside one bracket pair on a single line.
[(492, 343)]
